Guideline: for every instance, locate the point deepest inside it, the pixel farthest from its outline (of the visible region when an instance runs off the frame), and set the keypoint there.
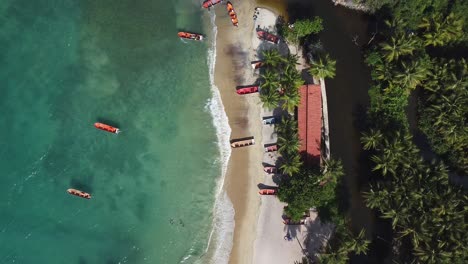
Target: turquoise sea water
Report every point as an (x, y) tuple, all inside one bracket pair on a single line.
[(65, 64)]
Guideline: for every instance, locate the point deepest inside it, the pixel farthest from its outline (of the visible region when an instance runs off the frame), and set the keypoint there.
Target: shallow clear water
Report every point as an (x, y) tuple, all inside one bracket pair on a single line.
[(67, 64)]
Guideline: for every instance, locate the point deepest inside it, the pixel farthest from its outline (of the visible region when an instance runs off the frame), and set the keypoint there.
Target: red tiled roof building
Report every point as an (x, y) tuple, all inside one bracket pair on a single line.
[(309, 119)]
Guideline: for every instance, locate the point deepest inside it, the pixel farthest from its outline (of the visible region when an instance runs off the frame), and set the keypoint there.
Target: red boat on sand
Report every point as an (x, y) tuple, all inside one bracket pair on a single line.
[(210, 3), (232, 14), (107, 128), (256, 64), (190, 36), (264, 35), (267, 192), (247, 89), (79, 193), (271, 148), (237, 143)]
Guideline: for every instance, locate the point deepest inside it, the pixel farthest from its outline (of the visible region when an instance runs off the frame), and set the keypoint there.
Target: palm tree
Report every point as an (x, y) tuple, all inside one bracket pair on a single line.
[(270, 79), (272, 58), (332, 170), (376, 199), (291, 60), (399, 46), (286, 126), (358, 244), (372, 139), (291, 164), (334, 257), (413, 74), (440, 31), (323, 68), (384, 162), (288, 145), (383, 71), (270, 98), (291, 99), (291, 79)]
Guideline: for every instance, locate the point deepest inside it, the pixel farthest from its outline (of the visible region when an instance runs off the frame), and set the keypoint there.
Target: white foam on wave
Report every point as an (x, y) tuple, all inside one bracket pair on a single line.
[(220, 240), (221, 235)]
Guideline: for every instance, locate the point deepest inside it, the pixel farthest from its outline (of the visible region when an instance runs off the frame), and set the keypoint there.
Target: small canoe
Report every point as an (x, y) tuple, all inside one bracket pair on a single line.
[(79, 193), (271, 148), (190, 36), (107, 128), (267, 192), (247, 89), (242, 143), (209, 3)]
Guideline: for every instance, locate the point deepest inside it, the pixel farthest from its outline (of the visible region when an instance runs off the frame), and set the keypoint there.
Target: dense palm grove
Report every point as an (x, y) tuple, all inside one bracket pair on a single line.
[(416, 51), (420, 48)]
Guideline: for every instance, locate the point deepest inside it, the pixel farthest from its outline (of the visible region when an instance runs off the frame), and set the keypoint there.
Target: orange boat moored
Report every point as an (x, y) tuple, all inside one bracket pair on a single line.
[(79, 193), (106, 128), (267, 192), (191, 36), (232, 14)]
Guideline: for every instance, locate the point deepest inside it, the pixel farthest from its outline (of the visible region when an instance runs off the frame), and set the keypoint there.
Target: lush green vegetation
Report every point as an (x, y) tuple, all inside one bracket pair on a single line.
[(443, 112), (280, 81), (302, 188), (419, 47), (295, 33), (323, 67), (404, 61)]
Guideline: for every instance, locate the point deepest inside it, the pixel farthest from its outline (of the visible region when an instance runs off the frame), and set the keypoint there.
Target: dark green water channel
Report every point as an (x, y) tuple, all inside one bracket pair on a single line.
[(344, 36)]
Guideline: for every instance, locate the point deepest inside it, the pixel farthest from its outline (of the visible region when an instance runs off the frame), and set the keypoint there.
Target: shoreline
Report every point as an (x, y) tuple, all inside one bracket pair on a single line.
[(232, 67)]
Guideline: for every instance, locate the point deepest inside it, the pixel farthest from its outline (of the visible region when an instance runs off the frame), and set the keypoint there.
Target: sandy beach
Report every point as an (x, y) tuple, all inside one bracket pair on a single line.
[(244, 169), (259, 231)]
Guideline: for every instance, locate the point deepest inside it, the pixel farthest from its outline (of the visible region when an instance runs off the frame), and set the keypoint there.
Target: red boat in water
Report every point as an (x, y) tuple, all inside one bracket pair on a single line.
[(190, 36), (210, 3), (79, 193), (267, 192), (264, 35), (247, 89), (106, 128), (232, 14)]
